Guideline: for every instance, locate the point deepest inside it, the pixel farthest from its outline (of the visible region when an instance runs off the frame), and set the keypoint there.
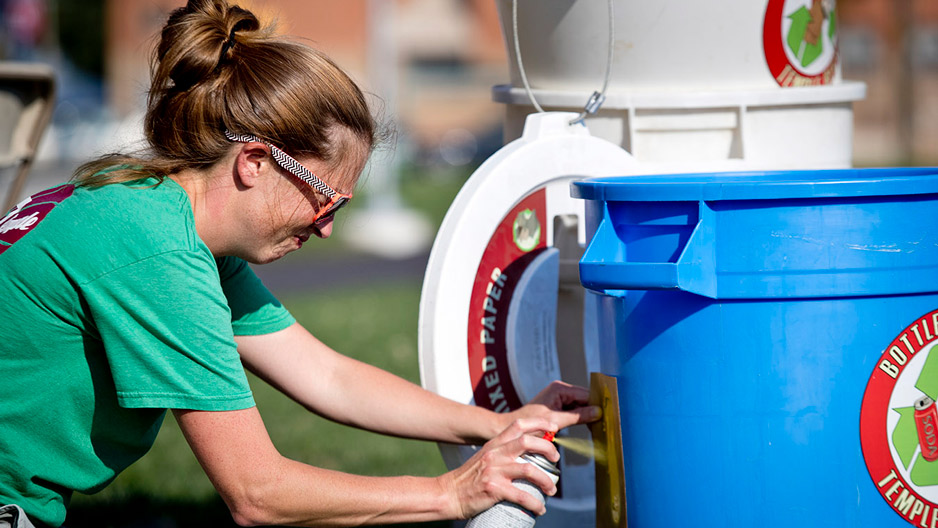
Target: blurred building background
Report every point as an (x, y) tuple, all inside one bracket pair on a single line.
[(431, 66), (444, 57), (892, 46)]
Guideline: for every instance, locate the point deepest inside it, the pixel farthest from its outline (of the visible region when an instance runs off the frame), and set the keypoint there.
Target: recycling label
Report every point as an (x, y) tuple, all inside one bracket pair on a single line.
[(517, 241), (898, 429), (799, 38)]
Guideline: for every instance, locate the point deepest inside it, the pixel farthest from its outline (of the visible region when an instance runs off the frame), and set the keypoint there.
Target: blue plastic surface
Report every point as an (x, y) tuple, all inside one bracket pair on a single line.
[(769, 185), (743, 315), (798, 234)]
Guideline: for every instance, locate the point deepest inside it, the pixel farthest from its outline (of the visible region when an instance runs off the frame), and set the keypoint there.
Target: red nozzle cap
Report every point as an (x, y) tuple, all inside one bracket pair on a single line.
[(549, 436)]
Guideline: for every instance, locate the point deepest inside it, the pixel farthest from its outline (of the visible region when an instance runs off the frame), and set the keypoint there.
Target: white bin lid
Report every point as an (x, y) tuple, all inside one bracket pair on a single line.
[(487, 229)]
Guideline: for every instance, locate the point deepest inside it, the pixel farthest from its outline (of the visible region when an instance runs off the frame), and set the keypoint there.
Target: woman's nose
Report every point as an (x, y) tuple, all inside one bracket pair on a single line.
[(323, 229)]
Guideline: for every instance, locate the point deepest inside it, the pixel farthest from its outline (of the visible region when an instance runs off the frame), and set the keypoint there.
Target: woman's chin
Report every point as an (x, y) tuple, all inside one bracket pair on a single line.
[(269, 256)]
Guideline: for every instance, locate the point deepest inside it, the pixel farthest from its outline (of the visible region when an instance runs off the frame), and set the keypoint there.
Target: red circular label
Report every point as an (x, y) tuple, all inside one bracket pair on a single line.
[(800, 41), (897, 423), (518, 238)]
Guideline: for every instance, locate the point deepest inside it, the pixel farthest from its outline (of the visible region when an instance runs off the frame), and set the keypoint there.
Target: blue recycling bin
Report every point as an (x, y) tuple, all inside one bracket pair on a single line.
[(772, 335)]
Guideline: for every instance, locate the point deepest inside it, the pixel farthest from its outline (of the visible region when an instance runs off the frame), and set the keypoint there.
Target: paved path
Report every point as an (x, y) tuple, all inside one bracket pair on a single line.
[(310, 275)]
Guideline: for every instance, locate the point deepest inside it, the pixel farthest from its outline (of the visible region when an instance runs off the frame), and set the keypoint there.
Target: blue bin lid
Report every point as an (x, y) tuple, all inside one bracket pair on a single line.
[(769, 185)]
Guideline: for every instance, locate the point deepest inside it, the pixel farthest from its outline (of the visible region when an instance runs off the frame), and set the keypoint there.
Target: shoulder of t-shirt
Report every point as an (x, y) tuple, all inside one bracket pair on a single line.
[(126, 222)]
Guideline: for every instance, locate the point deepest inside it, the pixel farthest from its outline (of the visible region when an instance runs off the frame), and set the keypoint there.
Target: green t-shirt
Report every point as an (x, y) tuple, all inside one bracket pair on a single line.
[(113, 310)]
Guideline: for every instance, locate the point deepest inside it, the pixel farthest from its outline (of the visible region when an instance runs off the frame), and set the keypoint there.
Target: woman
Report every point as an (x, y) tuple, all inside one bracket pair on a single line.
[(126, 293)]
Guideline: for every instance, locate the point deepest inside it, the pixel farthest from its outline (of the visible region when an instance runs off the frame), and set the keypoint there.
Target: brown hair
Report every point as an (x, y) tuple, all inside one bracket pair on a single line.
[(215, 68)]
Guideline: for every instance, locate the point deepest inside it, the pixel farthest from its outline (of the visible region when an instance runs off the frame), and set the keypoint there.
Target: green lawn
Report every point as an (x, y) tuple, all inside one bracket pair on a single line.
[(376, 323)]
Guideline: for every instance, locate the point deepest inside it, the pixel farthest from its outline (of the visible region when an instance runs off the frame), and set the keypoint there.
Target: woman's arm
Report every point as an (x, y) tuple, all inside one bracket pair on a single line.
[(355, 393), (261, 487)]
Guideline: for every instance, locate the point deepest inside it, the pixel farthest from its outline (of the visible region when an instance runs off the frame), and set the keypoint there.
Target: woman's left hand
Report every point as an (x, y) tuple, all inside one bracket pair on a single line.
[(559, 403)]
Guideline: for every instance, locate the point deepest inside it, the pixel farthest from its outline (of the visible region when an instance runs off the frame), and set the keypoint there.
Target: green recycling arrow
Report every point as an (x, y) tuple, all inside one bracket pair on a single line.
[(805, 52)]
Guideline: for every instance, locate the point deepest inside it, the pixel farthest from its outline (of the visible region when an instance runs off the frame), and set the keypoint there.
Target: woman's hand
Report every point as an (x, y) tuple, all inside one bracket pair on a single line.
[(559, 403), (485, 478)]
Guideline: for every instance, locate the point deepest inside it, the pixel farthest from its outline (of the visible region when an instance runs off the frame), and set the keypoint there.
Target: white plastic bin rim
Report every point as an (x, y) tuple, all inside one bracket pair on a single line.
[(848, 91)]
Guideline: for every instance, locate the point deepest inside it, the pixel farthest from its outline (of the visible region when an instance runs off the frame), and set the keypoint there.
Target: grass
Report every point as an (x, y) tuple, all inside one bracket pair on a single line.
[(376, 323)]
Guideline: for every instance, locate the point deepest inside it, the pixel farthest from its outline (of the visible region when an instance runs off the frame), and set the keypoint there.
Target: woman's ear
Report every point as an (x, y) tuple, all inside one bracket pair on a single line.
[(250, 164)]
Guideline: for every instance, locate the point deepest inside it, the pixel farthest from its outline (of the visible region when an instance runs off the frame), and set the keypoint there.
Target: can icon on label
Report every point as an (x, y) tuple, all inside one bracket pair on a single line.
[(926, 421)]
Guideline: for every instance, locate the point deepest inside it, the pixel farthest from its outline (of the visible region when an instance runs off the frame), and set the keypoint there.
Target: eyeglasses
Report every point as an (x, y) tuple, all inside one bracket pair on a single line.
[(337, 200)]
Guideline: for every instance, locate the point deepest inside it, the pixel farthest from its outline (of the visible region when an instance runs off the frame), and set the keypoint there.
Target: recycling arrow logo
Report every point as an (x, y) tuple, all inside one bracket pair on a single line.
[(800, 41), (899, 422), (914, 436), (804, 38)]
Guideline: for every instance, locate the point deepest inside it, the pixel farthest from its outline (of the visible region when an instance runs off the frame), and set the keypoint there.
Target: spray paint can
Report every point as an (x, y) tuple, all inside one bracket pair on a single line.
[(509, 515), (926, 422)]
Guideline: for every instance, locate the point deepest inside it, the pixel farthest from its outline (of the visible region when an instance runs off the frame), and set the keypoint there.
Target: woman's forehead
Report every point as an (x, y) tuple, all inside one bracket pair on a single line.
[(342, 176), (351, 164)]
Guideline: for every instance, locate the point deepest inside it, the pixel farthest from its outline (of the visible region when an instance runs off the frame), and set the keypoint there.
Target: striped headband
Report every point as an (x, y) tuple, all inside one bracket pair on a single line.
[(287, 162)]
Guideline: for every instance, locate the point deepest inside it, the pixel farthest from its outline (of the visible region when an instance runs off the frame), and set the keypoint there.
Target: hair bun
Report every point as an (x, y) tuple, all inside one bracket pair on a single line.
[(196, 40), (243, 21), (217, 67)]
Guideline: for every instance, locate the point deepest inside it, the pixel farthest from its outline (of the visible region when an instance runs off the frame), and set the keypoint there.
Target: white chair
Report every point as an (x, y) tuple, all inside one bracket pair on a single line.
[(27, 97)]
